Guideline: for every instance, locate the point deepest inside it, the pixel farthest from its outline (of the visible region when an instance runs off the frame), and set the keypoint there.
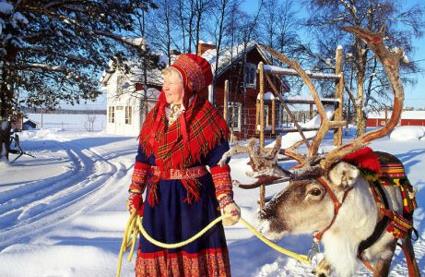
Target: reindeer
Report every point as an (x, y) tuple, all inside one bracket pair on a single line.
[(348, 211)]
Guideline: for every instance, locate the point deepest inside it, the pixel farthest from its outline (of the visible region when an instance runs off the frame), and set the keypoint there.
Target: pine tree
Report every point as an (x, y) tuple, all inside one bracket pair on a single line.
[(53, 52)]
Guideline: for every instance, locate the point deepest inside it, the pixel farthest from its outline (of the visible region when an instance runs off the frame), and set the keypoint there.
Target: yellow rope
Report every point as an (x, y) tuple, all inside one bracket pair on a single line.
[(180, 244), (134, 226), (302, 258)]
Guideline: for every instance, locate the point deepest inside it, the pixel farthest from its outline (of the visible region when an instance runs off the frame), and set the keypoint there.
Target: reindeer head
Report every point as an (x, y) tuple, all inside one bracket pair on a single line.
[(306, 206)]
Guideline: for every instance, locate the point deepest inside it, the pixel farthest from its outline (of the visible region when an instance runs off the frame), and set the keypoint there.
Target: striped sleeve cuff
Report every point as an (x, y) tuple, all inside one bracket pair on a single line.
[(138, 179), (222, 180)]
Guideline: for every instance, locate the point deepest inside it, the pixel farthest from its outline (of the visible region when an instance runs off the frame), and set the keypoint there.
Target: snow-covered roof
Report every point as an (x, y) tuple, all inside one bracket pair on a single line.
[(404, 115), (154, 76), (226, 58), (290, 71), (230, 55)]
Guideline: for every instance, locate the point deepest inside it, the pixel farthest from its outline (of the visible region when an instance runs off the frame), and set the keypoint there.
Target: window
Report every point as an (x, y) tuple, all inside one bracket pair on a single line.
[(250, 74), (120, 84), (111, 114), (235, 116), (279, 116), (128, 114), (267, 122), (266, 116)]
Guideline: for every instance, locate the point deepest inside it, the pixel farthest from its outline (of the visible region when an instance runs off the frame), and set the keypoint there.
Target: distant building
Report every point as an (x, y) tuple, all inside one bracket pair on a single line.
[(408, 118), (29, 125), (126, 99)]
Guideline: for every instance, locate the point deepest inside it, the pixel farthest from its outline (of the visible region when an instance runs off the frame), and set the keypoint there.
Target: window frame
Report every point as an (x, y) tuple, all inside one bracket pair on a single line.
[(250, 75), (232, 107), (111, 114), (128, 115)]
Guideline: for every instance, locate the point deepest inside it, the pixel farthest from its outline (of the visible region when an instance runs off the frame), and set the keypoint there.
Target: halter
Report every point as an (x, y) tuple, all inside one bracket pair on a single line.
[(317, 237)]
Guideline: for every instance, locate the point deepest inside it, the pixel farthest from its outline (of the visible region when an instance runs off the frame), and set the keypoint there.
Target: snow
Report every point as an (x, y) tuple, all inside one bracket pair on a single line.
[(405, 133), (63, 212), (68, 122), (6, 8), (290, 71), (291, 138), (267, 96)]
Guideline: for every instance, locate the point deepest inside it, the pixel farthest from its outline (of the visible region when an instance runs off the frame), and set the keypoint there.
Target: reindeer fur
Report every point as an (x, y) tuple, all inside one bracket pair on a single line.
[(292, 210)]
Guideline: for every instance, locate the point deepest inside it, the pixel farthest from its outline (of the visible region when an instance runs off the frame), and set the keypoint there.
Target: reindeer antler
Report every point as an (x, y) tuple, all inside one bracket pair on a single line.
[(325, 123), (314, 166), (390, 61), (262, 161)]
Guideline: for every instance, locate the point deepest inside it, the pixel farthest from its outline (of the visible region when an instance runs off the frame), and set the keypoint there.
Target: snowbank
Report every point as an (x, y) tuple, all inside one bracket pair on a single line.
[(56, 260), (290, 139), (403, 133)]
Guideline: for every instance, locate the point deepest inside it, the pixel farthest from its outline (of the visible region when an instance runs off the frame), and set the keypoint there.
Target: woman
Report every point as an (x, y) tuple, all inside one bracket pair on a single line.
[(182, 135)]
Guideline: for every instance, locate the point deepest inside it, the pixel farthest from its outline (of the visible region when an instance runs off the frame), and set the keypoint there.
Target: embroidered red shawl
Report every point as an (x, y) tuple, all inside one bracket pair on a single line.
[(182, 144)]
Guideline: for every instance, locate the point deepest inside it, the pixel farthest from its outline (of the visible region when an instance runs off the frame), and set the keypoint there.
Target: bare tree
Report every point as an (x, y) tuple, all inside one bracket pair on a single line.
[(201, 8), (89, 124), (399, 25), (161, 32)]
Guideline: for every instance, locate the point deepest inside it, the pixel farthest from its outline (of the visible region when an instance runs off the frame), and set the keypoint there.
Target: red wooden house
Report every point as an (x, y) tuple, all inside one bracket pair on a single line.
[(408, 118), (239, 67)]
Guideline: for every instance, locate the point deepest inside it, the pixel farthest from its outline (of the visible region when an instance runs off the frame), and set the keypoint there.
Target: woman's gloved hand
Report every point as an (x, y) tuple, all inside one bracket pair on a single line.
[(229, 208), (135, 203)]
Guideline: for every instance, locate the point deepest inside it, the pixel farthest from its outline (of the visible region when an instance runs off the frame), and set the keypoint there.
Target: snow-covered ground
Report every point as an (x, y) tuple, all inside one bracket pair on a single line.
[(63, 212)]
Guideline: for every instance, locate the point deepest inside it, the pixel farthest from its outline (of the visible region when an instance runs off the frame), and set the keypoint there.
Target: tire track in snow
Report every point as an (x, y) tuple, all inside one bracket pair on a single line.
[(50, 208), (15, 201)]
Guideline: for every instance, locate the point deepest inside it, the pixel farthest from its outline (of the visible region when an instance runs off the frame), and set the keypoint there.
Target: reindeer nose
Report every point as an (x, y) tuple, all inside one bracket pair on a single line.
[(266, 213)]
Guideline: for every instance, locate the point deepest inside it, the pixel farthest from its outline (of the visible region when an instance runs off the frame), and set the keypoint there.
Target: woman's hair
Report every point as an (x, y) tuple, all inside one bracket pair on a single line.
[(170, 71)]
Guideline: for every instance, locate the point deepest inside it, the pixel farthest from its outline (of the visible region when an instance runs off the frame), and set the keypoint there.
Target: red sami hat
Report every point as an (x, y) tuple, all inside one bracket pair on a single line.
[(196, 73)]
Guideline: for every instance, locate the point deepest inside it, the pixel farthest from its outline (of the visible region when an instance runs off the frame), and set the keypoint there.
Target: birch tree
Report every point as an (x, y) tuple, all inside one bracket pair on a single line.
[(399, 24)]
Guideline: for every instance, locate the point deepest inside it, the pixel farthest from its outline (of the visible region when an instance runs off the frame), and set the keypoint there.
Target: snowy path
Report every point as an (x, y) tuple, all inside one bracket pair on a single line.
[(63, 213), (43, 204)]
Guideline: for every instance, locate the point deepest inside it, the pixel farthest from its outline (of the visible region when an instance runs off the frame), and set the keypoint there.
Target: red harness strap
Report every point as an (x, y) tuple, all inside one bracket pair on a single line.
[(337, 205), (399, 226)]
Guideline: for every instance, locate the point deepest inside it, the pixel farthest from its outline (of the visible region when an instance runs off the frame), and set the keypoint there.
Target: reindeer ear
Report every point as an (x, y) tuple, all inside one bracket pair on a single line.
[(344, 175)]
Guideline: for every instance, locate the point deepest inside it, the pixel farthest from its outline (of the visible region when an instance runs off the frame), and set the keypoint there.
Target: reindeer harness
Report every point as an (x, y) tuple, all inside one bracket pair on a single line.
[(380, 170)]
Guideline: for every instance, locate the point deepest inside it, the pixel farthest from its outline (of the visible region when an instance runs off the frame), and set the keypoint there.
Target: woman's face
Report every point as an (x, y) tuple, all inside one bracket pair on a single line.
[(173, 88)]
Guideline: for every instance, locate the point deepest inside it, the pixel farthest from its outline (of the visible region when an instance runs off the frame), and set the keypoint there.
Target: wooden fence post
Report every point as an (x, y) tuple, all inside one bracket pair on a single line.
[(226, 101), (261, 114), (339, 95)]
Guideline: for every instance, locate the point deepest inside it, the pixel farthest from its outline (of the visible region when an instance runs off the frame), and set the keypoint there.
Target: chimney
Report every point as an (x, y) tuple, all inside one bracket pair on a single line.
[(204, 46), (174, 54)]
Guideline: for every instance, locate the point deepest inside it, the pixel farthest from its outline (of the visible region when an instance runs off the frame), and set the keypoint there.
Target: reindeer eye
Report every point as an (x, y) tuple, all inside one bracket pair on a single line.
[(315, 192)]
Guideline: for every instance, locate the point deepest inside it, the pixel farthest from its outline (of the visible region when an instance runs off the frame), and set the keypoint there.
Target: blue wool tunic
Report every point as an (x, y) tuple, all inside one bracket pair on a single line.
[(173, 220)]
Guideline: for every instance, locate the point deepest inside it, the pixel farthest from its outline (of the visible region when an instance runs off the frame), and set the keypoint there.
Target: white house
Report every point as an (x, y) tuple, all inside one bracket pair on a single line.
[(126, 99)]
